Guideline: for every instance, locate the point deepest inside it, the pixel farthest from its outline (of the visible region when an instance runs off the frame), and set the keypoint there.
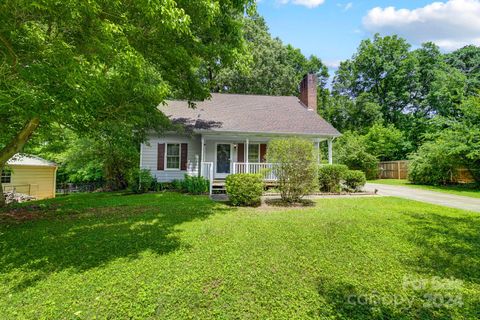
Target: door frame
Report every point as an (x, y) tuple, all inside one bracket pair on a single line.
[(222, 175)]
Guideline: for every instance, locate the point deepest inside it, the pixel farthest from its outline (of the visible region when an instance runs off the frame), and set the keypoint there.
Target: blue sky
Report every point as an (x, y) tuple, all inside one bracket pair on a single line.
[(333, 29)]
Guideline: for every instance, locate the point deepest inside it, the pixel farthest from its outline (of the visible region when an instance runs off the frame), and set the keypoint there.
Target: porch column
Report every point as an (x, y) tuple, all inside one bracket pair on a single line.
[(247, 169), (202, 157), (317, 148), (202, 151), (330, 152)]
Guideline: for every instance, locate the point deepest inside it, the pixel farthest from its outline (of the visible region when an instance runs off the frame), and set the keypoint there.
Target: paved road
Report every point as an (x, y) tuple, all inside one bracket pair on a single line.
[(444, 199)]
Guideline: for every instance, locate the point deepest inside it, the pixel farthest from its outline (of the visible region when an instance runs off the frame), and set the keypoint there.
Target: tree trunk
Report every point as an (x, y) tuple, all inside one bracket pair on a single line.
[(15, 145)]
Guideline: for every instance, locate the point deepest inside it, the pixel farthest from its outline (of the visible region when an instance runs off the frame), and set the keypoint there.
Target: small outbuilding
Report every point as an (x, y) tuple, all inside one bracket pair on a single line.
[(30, 175)]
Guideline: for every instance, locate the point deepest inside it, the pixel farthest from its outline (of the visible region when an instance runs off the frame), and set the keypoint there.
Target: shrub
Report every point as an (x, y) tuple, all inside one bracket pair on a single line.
[(194, 185), (244, 189), (354, 180), (294, 165), (351, 150), (433, 164), (330, 176), (176, 185), (140, 180)]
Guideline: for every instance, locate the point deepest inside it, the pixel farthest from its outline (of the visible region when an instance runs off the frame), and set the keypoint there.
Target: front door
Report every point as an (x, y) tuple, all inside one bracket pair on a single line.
[(223, 157)]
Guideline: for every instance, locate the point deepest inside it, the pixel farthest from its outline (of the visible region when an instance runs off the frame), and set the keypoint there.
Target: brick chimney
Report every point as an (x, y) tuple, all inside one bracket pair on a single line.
[(308, 91)]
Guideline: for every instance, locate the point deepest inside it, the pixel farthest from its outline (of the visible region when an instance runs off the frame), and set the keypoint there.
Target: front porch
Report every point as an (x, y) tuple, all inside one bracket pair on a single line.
[(222, 155)]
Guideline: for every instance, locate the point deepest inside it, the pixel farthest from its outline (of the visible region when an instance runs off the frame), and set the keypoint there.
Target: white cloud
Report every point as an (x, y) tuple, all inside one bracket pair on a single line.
[(345, 6), (332, 64), (306, 3), (450, 24)]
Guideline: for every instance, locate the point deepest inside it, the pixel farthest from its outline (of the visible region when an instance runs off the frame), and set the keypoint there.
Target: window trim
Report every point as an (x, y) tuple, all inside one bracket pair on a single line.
[(179, 156), (7, 175), (258, 157)]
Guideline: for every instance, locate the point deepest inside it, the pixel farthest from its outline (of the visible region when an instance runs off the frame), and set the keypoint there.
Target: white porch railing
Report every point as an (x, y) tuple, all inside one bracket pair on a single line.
[(206, 171), (265, 169)]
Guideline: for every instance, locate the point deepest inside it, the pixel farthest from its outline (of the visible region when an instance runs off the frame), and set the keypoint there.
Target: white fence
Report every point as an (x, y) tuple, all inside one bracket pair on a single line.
[(265, 169)]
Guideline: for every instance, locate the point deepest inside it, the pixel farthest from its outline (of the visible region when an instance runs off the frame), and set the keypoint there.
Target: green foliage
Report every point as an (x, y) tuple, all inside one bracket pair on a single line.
[(399, 87), (176, 185), (456, 144), (194, 185), (351, 150), (144, 250), (354, 180), (433, 164), (101, 68), (331, 176), (244, 189), (269, 67), (294, 165), (387, 143), (467, 60), (347, 114), (140, 181)]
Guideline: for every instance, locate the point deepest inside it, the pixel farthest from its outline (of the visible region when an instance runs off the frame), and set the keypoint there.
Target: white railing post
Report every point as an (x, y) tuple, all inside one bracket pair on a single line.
[(211, 177)]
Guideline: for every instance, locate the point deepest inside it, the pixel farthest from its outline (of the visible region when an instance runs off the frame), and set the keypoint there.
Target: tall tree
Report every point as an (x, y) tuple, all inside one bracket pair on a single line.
[(270, 67), (382, 68), (467, 60), (86, 65)]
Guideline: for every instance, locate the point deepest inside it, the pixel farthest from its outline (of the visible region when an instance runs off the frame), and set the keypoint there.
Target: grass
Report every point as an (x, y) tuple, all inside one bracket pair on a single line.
[(172, 256), (466, 190)]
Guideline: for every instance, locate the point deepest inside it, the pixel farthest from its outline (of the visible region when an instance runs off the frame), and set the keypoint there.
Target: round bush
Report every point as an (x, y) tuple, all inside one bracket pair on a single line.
[(140, 180), (330, 176), (244, 189), (354, 180)]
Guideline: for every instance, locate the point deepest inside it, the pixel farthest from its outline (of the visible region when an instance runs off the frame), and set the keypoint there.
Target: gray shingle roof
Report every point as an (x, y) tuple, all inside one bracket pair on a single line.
[(249, 113)]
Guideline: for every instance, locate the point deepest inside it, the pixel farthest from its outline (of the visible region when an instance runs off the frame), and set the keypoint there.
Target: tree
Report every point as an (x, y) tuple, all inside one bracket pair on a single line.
[(381, 68), (467, 60), (294, 166), (386, 143), (347, 114), (270, 67), (89, 65)]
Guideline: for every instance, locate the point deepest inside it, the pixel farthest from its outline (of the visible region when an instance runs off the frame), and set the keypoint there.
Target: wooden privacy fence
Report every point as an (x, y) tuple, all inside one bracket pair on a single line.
[(393, 169), (399, 170)]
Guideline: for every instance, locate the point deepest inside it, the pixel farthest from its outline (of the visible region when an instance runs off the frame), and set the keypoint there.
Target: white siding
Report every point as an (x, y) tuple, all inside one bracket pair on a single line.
[(149, 157)]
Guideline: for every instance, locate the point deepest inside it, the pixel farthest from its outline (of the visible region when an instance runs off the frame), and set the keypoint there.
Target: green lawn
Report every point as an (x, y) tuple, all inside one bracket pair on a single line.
[(467, 190), (173, 256)]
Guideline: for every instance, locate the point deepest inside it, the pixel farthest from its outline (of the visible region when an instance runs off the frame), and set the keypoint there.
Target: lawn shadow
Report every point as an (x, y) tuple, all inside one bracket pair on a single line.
[(123, 227), (349, 301), (449, 246)]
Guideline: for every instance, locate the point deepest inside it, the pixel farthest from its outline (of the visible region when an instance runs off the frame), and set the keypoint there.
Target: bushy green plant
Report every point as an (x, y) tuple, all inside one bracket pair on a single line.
[(433, 163), (351, 150), (330, 177), (354, 180), (176, 185), (140, 180), (194, 185), (294, 165), (244, 189)]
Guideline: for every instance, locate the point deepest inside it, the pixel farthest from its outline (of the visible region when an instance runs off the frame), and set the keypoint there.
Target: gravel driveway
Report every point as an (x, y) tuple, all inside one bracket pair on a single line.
[(443, 199)]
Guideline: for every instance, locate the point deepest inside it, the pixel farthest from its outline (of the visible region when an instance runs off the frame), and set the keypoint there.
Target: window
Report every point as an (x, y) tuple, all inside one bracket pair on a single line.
[(173, 156), (254, 153), (6, 176)]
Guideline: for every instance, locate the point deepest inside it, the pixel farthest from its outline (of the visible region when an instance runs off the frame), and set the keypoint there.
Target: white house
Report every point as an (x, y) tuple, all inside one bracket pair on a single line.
[(230, 133)]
